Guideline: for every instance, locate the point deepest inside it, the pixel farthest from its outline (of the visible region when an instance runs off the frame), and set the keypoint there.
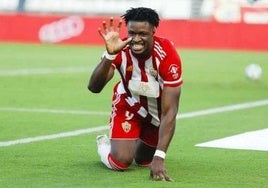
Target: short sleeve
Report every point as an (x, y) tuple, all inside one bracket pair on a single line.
[(170, 68)]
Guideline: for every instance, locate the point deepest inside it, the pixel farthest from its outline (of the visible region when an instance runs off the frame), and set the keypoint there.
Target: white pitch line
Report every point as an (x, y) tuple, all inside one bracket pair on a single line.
[(53, 136), (180, 116), (100, 128), (23, 72), (223, 109), (53, 111)]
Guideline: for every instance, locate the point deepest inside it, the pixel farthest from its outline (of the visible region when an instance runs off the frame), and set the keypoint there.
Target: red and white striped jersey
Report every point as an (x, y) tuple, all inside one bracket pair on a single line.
[(144, 79)]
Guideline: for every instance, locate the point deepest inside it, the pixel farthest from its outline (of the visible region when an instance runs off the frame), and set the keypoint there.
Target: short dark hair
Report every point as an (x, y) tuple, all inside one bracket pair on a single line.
[(142, 14)]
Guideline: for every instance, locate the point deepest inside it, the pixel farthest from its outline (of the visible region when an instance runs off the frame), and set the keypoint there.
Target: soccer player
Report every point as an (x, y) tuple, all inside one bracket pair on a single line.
[(146, 99)]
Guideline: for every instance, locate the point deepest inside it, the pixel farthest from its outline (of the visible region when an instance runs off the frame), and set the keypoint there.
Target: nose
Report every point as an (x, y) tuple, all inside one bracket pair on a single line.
[(136, 38)]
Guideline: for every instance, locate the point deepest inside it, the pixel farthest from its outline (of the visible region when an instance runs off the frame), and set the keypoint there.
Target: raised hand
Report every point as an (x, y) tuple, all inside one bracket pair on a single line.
[(111, 37)]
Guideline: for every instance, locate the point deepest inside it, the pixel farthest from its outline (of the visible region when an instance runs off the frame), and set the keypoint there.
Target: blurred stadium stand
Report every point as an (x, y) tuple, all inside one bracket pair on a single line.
[(221, 10), (97, 7), (213, 24)]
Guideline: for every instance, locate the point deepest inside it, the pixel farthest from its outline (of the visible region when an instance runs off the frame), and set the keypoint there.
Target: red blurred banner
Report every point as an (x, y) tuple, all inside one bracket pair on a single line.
[(83, 30)]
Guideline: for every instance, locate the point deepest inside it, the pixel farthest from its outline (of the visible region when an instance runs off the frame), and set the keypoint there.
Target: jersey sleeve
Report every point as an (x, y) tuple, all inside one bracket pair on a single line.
[(170, 68)]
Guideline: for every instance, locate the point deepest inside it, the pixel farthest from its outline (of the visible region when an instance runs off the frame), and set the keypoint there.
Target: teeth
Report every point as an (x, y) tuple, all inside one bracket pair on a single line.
[(137, 46)]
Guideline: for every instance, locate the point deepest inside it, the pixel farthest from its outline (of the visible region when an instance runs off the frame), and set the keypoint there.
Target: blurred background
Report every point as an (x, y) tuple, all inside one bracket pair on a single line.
[(235, 24), (250, 11)]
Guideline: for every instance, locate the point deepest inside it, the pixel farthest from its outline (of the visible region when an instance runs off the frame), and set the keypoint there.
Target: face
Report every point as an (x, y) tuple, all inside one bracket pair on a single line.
[(142, 38)]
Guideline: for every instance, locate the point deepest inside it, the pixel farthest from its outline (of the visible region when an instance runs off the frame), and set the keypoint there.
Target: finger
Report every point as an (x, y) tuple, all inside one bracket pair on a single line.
[(100, 32), (104, 25), (112, 23), (128, 40), (162, 178), (167, 178), (119, 25), (157, 178)]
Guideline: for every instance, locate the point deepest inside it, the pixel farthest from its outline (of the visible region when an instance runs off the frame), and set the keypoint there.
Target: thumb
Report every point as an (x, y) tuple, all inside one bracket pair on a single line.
[(167, 178), (127, 40)]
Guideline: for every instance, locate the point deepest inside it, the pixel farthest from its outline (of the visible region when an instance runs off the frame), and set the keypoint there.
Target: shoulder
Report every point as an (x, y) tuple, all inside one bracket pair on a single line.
[(164, 46), (170, 68), (163, 42)]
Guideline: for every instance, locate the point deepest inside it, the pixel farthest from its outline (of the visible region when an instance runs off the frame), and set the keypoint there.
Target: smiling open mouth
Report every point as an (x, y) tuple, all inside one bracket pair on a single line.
[(137, 46)]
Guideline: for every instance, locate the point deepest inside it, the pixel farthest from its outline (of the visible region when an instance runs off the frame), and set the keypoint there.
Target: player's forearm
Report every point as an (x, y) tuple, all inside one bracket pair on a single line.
[(166, 132), (170, 104), (99, 76)]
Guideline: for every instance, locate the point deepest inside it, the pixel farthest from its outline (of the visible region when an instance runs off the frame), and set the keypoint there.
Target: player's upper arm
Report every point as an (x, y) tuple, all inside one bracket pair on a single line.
[(170, 99)]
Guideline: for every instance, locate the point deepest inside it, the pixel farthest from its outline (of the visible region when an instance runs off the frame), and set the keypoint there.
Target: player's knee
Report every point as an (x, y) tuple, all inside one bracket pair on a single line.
[(144, 160), (117, 164), (143, 163)]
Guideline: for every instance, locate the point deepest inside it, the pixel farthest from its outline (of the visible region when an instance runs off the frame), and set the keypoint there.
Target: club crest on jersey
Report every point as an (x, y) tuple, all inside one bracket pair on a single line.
[(126, 126), (174, 70), (153, 72)]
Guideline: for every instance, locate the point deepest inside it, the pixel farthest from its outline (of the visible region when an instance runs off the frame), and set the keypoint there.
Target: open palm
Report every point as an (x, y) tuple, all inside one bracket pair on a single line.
[(111, 37)]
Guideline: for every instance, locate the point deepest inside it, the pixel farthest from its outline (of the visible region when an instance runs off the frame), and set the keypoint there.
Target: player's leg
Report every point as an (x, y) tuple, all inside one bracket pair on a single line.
[(122, 153), (119, 153), (116, 154), (146, 145), (144, 153)]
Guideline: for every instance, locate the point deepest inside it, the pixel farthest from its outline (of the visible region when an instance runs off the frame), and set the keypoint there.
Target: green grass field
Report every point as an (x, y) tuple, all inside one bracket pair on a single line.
[(44, 92)]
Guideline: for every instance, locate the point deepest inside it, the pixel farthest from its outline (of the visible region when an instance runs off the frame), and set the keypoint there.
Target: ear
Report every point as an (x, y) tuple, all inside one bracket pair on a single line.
[(154, 30)]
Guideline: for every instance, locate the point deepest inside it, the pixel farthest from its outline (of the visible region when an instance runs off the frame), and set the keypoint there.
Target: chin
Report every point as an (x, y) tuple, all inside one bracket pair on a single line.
[(138, 52)]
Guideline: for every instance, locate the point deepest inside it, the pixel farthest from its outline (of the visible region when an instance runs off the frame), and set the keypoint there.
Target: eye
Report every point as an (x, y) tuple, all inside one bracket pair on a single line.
[(131, 33), (140, 34), (143, 34)]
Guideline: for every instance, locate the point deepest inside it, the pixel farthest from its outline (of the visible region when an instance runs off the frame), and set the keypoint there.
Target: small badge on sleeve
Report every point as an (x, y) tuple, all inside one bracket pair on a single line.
[(174, 70)]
